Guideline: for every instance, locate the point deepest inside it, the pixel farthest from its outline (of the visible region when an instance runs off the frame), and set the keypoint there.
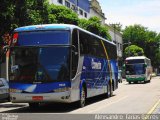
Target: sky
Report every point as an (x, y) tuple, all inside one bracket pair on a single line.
[(130, 12)]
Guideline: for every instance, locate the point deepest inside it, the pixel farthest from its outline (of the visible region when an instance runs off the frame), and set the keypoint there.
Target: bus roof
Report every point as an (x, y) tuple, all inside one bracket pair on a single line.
[(136, 57), (55, 27)]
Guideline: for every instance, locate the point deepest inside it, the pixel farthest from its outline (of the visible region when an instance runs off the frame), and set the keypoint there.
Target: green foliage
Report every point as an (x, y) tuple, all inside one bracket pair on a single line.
[(117, 26), (94, 25), (144, 38), (16, 13), (61, 14), (135, 34), (133, 50), (6, 16)]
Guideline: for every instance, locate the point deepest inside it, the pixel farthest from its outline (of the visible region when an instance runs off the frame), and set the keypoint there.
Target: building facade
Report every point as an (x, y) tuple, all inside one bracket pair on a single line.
[(81, 7), (90, 8), (116, 37), (96, 10)]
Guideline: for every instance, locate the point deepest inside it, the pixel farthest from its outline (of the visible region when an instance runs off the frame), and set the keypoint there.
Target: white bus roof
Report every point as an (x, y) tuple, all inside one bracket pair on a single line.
[(136, 57), (56, 26)]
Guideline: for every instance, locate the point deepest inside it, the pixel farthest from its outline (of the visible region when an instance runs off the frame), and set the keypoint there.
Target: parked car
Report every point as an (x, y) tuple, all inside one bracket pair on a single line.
[(120, 76), (4, 89)]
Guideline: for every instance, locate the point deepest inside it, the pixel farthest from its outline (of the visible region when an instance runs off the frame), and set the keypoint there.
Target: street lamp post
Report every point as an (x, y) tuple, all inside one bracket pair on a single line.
[(127, 44)]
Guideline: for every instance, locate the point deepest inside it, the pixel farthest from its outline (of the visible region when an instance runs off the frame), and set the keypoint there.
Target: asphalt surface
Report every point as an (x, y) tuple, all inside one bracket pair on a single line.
[(141, 98)]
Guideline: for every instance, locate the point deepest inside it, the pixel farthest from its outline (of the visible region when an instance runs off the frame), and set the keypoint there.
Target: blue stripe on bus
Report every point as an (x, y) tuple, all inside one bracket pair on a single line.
[(39, 88)]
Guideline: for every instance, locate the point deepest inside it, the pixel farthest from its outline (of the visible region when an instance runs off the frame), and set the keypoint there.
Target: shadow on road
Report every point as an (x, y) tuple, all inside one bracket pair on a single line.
[(10, 105), (136, 83), (53, 107)]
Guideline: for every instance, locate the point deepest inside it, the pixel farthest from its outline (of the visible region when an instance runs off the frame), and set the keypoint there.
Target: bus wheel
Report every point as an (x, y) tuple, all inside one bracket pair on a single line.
[(129, 82), (109, 90), (82, 97), (33, 105), (136, 82), (149, 79)]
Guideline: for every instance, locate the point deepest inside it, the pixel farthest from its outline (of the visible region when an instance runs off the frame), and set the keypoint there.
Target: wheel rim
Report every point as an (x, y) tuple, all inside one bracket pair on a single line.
[(109, 91)]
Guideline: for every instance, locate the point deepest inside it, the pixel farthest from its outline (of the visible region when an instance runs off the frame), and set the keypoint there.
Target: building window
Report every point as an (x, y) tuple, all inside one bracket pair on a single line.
[(67, 4), (73, 7), (81, 12), (85, 15), (60, 1)]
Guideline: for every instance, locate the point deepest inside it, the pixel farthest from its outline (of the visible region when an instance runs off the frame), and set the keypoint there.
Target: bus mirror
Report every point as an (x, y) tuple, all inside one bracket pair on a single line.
[(73, 47), (1, 59), (145, 65), (5, 48), (3, 52), (124, 66), (76, 53)]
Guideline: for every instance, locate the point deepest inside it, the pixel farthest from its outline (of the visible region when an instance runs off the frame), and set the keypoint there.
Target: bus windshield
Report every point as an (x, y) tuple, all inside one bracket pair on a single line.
[(135, 69), (39, 64)]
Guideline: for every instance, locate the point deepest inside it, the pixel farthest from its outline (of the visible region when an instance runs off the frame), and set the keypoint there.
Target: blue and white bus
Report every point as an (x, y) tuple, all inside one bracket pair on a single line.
[(60, 63)]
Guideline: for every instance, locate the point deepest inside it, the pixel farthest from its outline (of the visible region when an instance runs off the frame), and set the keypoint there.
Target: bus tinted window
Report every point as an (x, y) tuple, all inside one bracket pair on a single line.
[(74, 52), (134, 61), (44, 64), (91, 45), (111, 50), (43, 37)]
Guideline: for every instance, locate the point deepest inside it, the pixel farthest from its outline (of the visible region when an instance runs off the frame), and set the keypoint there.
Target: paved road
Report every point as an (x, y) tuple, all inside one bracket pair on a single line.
[(128, 98)]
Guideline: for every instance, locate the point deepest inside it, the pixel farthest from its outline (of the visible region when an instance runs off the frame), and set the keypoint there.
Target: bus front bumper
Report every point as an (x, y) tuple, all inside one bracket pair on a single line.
[(62, 97), (135, 79)]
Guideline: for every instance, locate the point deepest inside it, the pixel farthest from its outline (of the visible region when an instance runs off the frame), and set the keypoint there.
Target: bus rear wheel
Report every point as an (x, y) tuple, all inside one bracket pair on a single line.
[(109, 90), (82, 97)]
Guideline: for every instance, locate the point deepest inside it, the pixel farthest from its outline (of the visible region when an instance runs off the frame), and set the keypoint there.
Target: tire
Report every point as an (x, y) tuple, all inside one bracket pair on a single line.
[(33, 105), (136, 82), (8, 99), (82, 97), (121, 80), (109, 90), (129, 82), (149, 79)]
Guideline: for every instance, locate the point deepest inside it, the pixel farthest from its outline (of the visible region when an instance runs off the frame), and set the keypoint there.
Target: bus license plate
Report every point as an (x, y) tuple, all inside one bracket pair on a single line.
[(37, 98)]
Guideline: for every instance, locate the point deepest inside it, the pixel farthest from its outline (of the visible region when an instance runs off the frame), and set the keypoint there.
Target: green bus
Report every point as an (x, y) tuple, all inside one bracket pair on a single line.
[(137, 69)]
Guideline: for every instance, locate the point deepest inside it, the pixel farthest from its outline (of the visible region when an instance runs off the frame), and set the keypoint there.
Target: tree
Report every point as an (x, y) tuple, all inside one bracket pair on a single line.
[(6, 17), (135, 34), (94, 25), (144, 38), (61, 14), (16, 13), (29, 12), (133, 50), (117, 26)]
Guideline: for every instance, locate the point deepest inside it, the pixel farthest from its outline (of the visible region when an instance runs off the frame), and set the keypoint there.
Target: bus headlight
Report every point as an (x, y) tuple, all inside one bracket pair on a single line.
[(15, 91), (62, 89)]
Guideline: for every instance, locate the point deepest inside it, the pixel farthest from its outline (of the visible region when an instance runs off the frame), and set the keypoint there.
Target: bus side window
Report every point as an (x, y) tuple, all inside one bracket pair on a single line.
[(74, 52), (84, 46)]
